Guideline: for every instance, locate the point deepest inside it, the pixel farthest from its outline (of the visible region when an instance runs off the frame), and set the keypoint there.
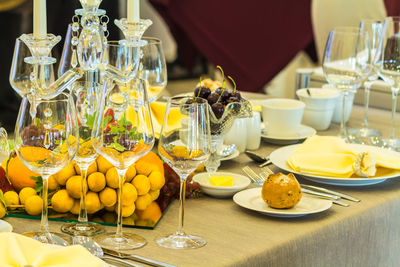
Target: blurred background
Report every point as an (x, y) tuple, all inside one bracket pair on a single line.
[(259, 43)]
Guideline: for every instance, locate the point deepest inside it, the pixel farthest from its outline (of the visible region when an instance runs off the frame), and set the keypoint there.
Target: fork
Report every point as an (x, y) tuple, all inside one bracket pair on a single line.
[(257, 179)]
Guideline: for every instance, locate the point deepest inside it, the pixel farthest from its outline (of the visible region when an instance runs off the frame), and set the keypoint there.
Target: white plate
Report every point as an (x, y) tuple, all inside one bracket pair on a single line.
[(280, 156), (303, 132), (234, 154), (251, 199), (240, 182), (5, 226)]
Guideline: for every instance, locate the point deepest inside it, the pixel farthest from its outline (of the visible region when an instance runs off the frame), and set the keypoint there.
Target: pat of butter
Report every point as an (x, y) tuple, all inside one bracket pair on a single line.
[(221, 181)]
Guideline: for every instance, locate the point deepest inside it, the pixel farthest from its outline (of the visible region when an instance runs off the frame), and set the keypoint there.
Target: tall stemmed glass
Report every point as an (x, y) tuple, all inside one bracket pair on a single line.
[(122, 134), (346, 63), (46, 144), (87, 96), (388, 64), (184, 151), (365, 133)]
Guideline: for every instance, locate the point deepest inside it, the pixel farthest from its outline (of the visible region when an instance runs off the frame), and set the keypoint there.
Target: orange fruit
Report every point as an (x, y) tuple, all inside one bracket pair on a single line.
[(130, 173), (157, 180), (148, 163), (34, 153), (103, 165), (153, 212), (142, 184), (91, 169), (20, 175)]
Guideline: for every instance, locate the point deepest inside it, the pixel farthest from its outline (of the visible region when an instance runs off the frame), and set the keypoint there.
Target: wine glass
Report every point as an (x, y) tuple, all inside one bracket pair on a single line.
[(46, 144), (153, 67), (4, 145), (87, 96), (365, 133), (346, 63), (184, 151), (388, 65), (122, 134)]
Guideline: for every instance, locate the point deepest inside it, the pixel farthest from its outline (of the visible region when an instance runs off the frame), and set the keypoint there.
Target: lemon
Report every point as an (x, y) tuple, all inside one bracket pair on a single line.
[(11, 198), (126, 210), (129, 194), (91, 169), (108, 197), (33, 205), (25, 193), (154, 194), (63, 175), (3, 210), (74, 186), (92, 202), (96, 181), (53, 185), (76, 207), (102, 164), (142, 202), (130, 173), (112, 178), (157, 180), (142, 184), (61, 201)]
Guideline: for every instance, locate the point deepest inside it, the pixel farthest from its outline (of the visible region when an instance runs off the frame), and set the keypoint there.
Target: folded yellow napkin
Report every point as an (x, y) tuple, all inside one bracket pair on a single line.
[(331, 156), (18, 250)]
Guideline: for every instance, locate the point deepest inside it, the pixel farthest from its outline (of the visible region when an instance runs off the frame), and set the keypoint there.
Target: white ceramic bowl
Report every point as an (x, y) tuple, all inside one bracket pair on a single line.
[(240, 182)]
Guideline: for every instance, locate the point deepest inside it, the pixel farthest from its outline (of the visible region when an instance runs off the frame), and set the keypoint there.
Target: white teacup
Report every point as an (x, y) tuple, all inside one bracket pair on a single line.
[(320, 106), (237, 134), (337, 114), (282, 116)]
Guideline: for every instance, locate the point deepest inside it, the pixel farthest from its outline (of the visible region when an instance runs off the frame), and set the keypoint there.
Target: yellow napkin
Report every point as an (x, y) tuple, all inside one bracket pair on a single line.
[(18, 250), (331, 156), (158, 110)]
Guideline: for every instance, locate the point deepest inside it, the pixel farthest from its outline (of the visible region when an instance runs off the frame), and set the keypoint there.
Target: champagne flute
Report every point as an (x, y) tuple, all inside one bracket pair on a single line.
[(346, 63), (184, 151), (87, 96), (122, 134), (365, 133), (388, 65), (46, 144)]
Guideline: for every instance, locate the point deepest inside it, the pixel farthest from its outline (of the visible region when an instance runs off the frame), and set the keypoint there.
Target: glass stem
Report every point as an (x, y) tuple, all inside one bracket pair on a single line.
[(44, 223), (182, 195), (367, 91), (121, 180), (83, 218), (343, 130), (395, 92)]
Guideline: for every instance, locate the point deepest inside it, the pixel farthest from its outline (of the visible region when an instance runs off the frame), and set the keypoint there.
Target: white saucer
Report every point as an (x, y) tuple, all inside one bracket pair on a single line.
[(251, 199), (5, 226), (234, 154), (303, 132)]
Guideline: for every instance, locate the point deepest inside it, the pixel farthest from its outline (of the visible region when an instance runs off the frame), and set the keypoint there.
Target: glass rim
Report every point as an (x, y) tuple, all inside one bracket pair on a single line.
[(178, 101), (154, 40), (346, 29), (51, 100)]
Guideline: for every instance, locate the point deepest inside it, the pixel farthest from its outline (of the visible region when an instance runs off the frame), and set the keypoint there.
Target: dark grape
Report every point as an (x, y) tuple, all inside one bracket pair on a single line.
[(212, 98), (204, 92), (218, 109)]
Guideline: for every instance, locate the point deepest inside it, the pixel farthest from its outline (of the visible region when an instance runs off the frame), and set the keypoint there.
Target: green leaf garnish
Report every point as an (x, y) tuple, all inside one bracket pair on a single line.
[(107, 120), (39, 184), (42, 161), (117, 147), (37, 122), (90, 120), (2, 199)]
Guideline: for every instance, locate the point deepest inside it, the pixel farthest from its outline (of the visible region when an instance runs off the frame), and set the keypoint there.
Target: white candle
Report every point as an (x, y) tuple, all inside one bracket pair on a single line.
[(133, 11), (39, 19)]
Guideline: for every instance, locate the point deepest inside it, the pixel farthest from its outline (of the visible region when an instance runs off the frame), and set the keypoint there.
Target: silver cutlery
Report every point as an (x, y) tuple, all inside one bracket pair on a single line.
[(264, 161), (345, 196), (135, 257)]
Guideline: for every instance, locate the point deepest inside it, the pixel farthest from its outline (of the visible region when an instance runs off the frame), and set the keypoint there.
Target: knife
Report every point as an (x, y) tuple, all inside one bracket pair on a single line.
[(135, 257), (321, 189), (335, 199)]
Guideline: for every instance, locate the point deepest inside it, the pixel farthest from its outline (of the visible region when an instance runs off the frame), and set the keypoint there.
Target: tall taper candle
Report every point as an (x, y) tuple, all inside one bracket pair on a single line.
[(133, 11), (39, 19)]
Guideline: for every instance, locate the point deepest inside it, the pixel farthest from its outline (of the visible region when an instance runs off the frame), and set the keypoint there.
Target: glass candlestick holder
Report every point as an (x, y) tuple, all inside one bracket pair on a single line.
[(133, 31)]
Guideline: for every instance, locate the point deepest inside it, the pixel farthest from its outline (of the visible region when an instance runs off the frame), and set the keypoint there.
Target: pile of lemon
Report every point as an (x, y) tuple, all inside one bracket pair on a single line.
[(141, 186)]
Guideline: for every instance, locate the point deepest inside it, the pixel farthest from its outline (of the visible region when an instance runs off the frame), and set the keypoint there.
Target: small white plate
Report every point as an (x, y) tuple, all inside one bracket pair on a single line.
[(234, 154), (303, 132), (251, 199), (280, 156), (5, 226), (240, 182)]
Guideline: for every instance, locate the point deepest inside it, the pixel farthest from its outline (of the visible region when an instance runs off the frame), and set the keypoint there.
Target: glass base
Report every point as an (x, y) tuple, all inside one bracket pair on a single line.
[(392, 144), (128, 241), (364, 136), (85, 229), (179, 241), (49, 238)]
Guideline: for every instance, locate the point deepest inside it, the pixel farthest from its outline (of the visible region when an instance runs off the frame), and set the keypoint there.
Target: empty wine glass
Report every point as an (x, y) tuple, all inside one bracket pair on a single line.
[(153, 67), (46, 144), (346, 63), (388, 65), (122, 134), (4, 145), (184, 151), (87, 96), (365, 134)]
